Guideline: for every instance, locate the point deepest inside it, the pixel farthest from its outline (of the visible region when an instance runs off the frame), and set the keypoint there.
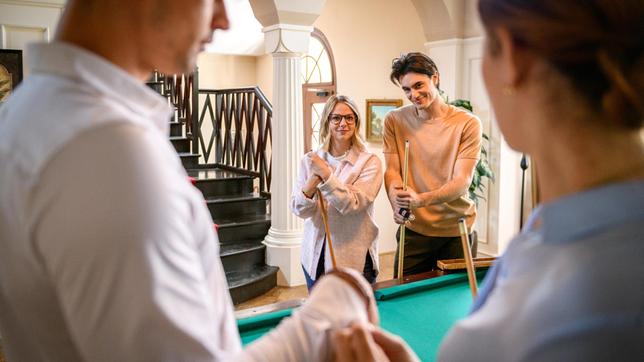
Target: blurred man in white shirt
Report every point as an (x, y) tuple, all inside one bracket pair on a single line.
[(108, 253)]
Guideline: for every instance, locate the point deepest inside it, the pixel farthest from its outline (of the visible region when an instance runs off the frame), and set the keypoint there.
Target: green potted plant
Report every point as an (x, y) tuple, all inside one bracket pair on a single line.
[(482, 169)]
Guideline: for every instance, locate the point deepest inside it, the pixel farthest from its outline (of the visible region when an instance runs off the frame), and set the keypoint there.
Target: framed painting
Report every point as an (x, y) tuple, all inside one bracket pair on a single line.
[(10, 71), (376, 111)]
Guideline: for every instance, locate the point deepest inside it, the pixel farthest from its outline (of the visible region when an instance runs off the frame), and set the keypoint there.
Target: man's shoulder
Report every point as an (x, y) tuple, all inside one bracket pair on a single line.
[(400, 114), (46, 113), (460, 115)]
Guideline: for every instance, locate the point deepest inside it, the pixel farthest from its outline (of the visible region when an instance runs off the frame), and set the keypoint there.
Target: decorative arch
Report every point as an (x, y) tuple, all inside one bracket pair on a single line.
[(441, 19), (318, 84)]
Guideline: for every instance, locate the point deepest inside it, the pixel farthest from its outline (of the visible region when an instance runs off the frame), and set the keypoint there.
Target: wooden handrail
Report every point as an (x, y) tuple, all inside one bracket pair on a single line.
[(229, 128), (233, 131)]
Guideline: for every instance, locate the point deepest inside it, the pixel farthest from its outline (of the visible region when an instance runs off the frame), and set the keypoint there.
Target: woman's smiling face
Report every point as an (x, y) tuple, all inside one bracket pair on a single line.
[(342, 123)]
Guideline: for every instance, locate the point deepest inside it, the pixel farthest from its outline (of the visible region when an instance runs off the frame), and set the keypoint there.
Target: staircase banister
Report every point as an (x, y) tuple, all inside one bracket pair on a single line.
[(263, 100), (230, 142), (257, 90)]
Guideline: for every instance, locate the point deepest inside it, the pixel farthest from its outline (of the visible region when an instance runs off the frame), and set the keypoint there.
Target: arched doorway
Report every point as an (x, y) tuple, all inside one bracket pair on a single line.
[(318, 84)]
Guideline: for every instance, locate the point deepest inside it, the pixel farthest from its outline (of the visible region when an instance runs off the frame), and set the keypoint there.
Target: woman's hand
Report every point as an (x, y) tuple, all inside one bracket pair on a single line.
[(310, 186), (320, 167), (365, 342)]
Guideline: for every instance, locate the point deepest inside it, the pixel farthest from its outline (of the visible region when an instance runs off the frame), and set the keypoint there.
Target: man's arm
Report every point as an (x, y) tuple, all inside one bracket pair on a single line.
[(393, 171), (112, 230), (468, 154), (334, 303), (393, 183), (455, 188)]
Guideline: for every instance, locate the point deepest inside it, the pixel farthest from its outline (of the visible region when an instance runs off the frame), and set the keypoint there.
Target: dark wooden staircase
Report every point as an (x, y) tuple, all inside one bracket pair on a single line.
[(239, 211)]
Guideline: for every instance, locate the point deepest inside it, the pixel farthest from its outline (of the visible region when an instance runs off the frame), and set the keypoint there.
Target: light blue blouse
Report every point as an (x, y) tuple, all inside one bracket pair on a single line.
[(569, 287)]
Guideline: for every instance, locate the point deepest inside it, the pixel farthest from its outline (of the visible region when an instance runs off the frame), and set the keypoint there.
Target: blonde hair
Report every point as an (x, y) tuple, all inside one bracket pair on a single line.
[(325, 134)]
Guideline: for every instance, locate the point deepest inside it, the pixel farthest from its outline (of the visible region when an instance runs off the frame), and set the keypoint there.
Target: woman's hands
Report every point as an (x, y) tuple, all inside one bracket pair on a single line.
[(368, 343), (311, 185), (320, 172)]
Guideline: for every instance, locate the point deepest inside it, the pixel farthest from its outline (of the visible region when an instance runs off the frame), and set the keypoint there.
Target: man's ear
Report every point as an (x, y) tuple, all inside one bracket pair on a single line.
[(514, 61)]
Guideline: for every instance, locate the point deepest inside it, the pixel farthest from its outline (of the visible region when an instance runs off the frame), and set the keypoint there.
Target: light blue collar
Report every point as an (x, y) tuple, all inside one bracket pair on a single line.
[(582, 214)]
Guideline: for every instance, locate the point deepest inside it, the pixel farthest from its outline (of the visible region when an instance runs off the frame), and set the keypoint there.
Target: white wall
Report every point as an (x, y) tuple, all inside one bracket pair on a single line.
[(264, 72), (23, 22), (218, 71), (459, 61)]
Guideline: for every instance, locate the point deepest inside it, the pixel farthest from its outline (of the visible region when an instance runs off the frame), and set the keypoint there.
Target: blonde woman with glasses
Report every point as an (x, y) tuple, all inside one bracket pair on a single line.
[(349, 178)]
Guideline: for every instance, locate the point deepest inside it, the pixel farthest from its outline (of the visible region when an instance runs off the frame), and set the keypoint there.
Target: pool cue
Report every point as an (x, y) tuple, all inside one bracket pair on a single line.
[(401, 239), (326, 227), (467, 252)]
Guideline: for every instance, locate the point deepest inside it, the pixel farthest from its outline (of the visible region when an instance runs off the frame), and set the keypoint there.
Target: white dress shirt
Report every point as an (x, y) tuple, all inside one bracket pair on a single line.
[(349, 194), (108, 252)]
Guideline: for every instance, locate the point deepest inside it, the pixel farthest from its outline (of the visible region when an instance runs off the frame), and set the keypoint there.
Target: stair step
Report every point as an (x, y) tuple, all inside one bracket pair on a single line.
[(247, 285), (246, 227), (189, 159), (216, 182), (176, 129), (180, 143), (242, 256), (234, 206), (239, 247)]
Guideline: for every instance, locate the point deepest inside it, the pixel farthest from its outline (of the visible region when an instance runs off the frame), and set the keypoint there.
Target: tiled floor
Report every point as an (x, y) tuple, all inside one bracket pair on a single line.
[(279, 294)]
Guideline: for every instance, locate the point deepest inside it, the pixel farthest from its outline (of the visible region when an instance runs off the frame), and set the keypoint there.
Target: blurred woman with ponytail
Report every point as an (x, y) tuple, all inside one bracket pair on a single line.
[(566, 79)]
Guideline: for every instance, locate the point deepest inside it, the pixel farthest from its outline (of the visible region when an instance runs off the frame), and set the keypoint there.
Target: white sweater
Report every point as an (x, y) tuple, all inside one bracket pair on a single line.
[(349, 194)]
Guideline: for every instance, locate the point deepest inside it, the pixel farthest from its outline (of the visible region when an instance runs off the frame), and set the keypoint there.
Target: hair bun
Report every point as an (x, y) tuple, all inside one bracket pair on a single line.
[(623, 101)]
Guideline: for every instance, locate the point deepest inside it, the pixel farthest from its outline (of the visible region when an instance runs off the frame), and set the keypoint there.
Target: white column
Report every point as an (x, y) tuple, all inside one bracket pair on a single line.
[(283, 242)]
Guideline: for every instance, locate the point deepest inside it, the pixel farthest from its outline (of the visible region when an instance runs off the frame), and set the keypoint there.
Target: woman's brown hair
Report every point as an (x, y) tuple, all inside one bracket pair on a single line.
[(596, 44)]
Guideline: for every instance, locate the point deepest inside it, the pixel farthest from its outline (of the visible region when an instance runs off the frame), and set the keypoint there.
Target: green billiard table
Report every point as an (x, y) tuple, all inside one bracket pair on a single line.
[(419, 311)]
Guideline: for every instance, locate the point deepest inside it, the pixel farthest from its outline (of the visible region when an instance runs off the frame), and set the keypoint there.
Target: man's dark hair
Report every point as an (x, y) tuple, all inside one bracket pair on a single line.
[(412, 63)]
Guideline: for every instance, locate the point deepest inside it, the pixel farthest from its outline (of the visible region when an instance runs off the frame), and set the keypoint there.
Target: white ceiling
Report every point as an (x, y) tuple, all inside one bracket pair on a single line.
[(245, 35)]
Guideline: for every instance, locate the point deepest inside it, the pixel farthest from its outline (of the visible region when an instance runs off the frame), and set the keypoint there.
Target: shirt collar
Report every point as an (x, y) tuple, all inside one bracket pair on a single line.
[(70, 61), (352, 155), (583, 214)]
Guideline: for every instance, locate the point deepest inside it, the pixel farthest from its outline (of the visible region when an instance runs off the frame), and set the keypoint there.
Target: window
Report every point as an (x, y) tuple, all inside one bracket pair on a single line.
[(318, 84)]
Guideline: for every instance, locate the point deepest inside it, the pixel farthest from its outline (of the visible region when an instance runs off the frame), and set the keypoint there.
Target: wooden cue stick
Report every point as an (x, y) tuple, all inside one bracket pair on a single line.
[(401, 239), (326, 227), (467, 252)]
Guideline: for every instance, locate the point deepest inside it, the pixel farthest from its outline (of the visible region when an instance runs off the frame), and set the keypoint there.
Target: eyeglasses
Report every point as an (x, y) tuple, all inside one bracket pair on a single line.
[(337, 118)]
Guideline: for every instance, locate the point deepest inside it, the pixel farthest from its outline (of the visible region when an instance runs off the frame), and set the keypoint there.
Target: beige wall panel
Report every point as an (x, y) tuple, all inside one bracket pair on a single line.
[(264, 71), (217, 71)]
